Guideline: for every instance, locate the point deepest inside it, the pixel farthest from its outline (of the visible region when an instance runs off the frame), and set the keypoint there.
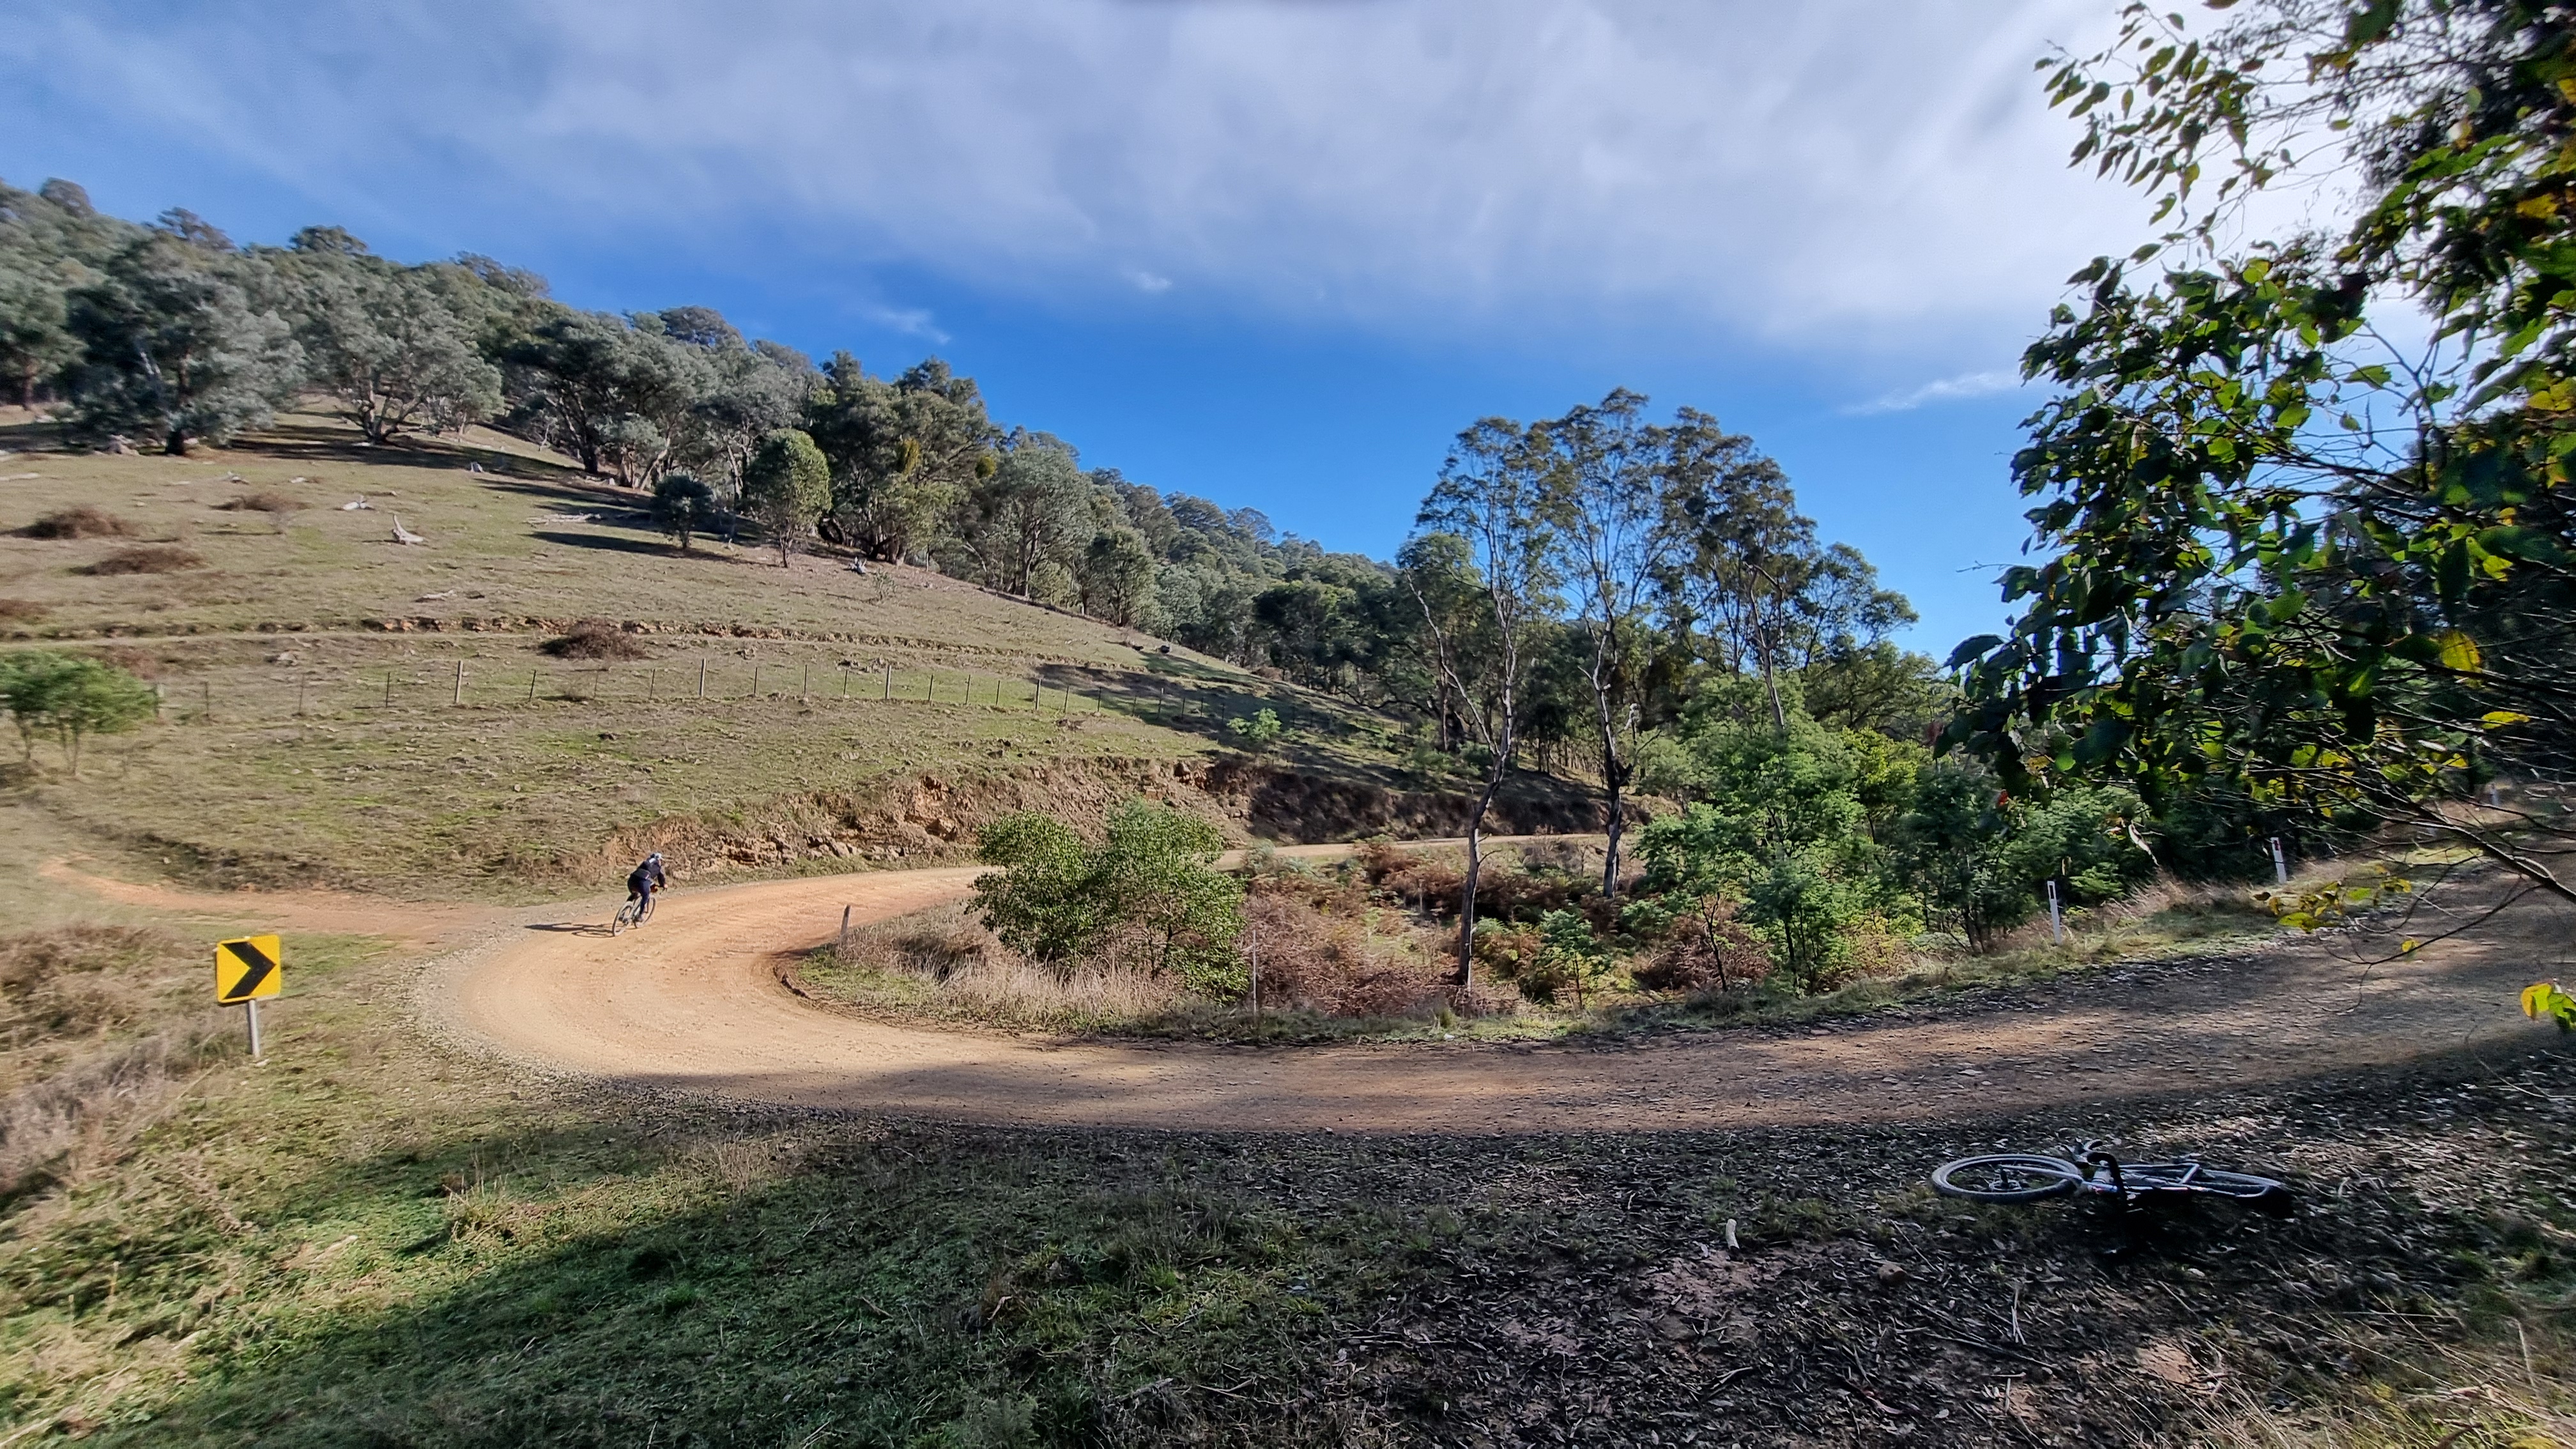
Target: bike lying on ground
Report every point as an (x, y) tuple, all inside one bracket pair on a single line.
[(634, 913), (2096, 1173)]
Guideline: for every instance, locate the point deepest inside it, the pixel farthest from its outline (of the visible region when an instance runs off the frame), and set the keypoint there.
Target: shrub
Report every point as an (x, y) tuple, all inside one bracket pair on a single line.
[(594, 639), (70, 698), (1258, 731), (21, 611), (1147, 896), (785, 487), (150, 558), (1570, 952), (1703, 947), (684, 506), (81, 522)]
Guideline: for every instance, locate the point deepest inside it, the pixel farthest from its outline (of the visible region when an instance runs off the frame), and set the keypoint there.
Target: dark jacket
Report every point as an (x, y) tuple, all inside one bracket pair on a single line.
[(648, 874)]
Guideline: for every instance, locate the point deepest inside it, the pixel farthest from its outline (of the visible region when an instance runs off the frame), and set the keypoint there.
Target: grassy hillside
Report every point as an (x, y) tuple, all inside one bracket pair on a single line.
[(341, 706)]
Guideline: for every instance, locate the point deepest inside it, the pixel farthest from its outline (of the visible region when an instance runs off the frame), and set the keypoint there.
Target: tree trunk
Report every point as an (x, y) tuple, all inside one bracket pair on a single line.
[(1466, 973), (1613, 774), (176, 444), (1610, 864), (1767, 645)]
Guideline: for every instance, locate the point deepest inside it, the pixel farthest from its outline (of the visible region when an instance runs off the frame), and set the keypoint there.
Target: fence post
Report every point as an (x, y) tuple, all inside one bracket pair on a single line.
[(845, 681), (2280, 867), (889, 681), (755, 677), (210, 699), (532, 686), (158, 692), (702, 679), (2056, 921), (805, 692), (389, 689), (460, 683), (844, 947), (299, 695)]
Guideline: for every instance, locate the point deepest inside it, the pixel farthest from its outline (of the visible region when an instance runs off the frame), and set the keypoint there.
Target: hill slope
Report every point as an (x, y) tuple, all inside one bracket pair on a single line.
[(341, 706)]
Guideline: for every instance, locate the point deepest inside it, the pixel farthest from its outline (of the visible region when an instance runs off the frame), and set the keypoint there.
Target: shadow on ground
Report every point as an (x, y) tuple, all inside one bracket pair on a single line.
[(693, 1276)]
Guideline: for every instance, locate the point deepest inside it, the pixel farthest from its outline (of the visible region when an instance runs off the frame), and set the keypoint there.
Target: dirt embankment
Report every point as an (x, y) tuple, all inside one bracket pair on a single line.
[(925, 819)]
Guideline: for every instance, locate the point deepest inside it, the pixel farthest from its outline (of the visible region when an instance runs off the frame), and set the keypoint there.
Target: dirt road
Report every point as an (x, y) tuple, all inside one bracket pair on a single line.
[(695, 1002)]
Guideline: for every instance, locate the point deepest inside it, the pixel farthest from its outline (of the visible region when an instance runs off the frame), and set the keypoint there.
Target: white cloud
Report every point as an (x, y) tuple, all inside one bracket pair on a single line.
[(1841, 174), (1949, 389), (910, 321)]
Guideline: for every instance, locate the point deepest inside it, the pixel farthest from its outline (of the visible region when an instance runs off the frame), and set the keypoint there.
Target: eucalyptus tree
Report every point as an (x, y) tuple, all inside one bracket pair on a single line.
[(1117, 576), (904, 452), (1483, 598), (757, 389), (1609, 520), (1748, 557), (35, 333), (385, 342), (614, 392), (1029, 518), (172, 347)]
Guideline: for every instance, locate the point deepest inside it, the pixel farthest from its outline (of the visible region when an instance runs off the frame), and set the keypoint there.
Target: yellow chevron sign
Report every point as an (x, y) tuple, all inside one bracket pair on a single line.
[(248, 968)]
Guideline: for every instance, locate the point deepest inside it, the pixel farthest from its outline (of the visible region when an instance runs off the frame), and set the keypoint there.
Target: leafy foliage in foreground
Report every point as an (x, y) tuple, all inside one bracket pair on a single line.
[(2292, 557)]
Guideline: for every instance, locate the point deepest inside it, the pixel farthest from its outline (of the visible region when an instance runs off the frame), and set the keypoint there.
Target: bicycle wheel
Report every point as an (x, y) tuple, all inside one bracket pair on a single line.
[(2007, 1177), (624, 918)]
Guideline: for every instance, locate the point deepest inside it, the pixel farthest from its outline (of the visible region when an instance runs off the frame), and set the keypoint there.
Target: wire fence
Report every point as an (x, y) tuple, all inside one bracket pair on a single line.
[(465, 684)]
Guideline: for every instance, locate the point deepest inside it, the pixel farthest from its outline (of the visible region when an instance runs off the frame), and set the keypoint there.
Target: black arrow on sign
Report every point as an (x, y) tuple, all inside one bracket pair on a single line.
[(249, 955)]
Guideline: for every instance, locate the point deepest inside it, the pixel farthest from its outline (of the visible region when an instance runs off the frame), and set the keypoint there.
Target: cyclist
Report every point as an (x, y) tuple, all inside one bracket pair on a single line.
[(648, 878)]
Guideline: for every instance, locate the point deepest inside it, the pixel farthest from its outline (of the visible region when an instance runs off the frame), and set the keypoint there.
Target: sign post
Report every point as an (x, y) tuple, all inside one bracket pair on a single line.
[(246, 969)]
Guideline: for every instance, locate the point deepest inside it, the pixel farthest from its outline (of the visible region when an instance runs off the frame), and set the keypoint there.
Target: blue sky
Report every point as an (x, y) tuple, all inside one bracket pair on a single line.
[(1275, 252)]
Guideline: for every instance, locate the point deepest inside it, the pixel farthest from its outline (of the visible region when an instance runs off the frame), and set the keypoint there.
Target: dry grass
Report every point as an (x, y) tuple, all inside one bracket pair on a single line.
[(945, 962), (97, 1040), (88, 1116), (1325, 950), (595, 639), (82, 981), (150, 558), (2504, 1391), (21, 611), (83, 521), (1327, 967)]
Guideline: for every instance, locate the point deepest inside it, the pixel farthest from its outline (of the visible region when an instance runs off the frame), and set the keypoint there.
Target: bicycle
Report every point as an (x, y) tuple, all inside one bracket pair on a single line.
[(2016, 1177), (634, 913)]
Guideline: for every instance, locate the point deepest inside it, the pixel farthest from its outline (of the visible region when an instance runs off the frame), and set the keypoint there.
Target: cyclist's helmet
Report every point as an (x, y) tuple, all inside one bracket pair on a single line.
[(654, 859)]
